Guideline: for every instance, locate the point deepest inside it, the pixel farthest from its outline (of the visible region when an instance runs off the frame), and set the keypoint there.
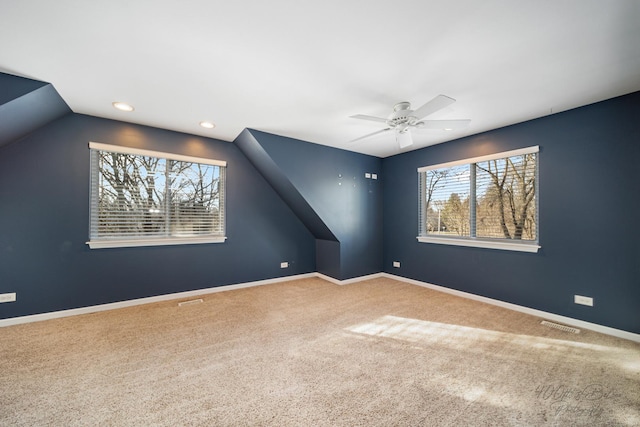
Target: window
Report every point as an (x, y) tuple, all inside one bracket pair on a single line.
[(489, 201), (145, 198)]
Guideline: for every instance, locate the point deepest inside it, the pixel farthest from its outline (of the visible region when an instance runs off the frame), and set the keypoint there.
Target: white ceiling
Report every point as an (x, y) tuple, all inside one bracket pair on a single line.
[(300, 69)]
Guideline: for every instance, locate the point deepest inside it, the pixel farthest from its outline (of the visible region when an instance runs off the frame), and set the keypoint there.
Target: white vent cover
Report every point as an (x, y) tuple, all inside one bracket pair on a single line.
[(561, 327), (191, 302)]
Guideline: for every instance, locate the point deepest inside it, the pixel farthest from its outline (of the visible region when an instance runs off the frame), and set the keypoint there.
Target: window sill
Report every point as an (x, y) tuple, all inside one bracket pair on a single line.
[(130, 243), (488, 244)]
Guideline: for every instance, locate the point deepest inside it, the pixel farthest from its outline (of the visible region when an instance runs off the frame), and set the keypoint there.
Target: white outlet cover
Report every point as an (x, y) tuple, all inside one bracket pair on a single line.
[(284, 264), (10, 297), (579, 299), (396, 264)]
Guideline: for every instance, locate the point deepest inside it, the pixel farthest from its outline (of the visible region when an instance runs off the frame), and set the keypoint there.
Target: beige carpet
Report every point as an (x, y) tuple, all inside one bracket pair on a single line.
[(310, 353)]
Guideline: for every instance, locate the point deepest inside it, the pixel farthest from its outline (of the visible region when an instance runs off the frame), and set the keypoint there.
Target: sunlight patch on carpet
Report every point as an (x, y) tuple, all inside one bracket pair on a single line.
[(457, 336)]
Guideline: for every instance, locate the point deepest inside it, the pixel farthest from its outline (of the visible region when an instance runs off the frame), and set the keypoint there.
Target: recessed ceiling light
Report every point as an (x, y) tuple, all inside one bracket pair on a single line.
[(123, 106), (447, 129), (207, 125)]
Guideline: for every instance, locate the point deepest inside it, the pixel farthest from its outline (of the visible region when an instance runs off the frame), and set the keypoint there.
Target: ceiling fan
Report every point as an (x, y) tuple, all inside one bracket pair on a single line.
[(403, 119)]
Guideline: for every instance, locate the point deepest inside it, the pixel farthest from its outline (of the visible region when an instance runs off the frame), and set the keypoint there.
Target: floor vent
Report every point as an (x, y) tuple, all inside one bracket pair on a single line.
[(192, 302), (561, 327)]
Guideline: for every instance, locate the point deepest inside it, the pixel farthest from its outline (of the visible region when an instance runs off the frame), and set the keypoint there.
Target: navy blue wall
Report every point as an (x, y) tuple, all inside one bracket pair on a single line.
[(333, 183), (44, 208), (589, 202)]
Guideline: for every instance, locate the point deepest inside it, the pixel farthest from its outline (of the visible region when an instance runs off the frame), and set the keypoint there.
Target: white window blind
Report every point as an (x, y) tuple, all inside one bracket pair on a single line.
[(482, 201), (141, 198)]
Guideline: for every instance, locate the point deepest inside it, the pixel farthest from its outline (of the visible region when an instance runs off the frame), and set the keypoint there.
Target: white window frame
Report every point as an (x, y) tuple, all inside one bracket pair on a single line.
[(134, 241), (503, 244)]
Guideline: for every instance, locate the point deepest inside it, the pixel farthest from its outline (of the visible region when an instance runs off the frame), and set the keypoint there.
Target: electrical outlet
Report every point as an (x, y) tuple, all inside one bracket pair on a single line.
[(396, 264), (579, 299), (374, 176), (11, 297), (284, 265), (367, 175)]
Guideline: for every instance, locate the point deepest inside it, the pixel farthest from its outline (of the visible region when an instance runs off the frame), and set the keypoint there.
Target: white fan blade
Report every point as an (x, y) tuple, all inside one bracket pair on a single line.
[(370, 134), (371, 118), (404, 139), (444, 124), (437, 103)]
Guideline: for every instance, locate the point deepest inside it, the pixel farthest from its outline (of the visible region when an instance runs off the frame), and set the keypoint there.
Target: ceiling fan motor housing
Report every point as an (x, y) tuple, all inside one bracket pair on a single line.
[(401, 118)]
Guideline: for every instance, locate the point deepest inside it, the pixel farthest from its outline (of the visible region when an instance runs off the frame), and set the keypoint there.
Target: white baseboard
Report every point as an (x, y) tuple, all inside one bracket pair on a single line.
[(189, 294), (148, 300), (538, 313), (349, 281)]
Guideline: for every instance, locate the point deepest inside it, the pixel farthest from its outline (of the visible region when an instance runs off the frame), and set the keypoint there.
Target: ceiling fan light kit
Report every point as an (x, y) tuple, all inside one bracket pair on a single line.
[(404, 139), (403, 118)]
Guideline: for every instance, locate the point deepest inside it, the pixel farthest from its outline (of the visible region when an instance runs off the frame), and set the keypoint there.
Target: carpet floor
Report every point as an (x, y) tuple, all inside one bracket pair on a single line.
[(311, 353)]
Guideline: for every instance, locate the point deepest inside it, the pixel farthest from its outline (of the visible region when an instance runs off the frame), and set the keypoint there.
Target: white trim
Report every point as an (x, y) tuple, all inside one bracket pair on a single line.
[(130, 243), (151, 153), (349, 281), (139, 301), (189, 294), (504, 154), (475, 243), (526, 310)]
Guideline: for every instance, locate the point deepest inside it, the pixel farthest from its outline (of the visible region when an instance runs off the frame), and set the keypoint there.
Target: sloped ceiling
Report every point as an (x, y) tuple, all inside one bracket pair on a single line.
[(300, 69), (25, 105), (256, 153)]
